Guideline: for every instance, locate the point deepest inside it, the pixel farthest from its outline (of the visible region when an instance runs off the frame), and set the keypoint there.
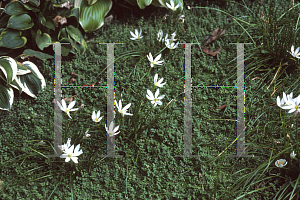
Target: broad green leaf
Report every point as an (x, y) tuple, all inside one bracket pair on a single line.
[(33, 82), (143, 3), (65, 48), (91, 2), (4, 21), (40, 55), (15, 85), (74, 33), (22, 69), (11, 39), (35, 2), (81, 47), (20, 22), (32, 8), (75, 12), (62, 34), (156, 3), (15, 8), (91, 18), (42, 40), (49, 23), (9, 68), (6, 96)]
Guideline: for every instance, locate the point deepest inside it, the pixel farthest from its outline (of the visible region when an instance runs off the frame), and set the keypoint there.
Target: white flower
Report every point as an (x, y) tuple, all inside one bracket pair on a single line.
[(181, 17), (171, 46), (172, 38), (295, 53), (285, 101), (158, 83), (96, 118), (41, 142), (65, 109), (111, 131), (155, 100), (69, 154), (154, 62), (86, 134), (65, 146), (281, 163), (188, 7), (160, 35), (293, 155), (124, 110), (172, 7), (295, 104), (136, 35)]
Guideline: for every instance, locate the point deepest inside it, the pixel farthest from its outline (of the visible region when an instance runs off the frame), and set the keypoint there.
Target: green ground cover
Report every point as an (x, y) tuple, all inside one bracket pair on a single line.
[(149, 169)]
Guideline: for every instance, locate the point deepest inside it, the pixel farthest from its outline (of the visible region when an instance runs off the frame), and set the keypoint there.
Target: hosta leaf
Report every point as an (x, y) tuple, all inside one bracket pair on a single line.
[(42, 40), (20, 22), (143, 3), (91, 17), (6, 96), (15, 8), (33, 82), (9, 68)]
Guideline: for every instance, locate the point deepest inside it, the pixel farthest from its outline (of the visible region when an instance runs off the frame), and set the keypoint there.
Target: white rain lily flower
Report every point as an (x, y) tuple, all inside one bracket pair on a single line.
[(281, 163), (172, 7), (124, 110), (293, 155), (296, 53), (171, 46), (181, 17), (111, 131), (158, 83), (86, 134), (285, 101), (155, 100), (173, 36), (64, 108), (69, 154), (295, 104), (65, 146), (137, 35), (96, 118), (160, 36), (155, 61)]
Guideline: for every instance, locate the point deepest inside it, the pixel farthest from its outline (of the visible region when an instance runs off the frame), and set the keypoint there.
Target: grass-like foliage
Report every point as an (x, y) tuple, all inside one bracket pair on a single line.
[(148, 128)]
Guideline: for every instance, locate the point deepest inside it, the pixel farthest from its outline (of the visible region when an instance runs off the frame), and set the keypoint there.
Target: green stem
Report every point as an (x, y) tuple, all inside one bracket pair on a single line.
[(297, 136), (144, 108), (135, 111)]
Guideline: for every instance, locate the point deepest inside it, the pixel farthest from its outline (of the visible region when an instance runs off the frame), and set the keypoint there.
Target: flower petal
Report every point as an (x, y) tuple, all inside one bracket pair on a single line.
[(75, 159), (72, 104)]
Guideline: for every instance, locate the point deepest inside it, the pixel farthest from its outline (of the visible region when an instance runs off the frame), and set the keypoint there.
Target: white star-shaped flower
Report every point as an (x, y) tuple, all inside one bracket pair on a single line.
[(137, 35), (158, 83), (171, 46), (69, 154), (96, 118), (124, 110), (155, 61), (155, 100), (111, 131), (64, 108), (172, 7)]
